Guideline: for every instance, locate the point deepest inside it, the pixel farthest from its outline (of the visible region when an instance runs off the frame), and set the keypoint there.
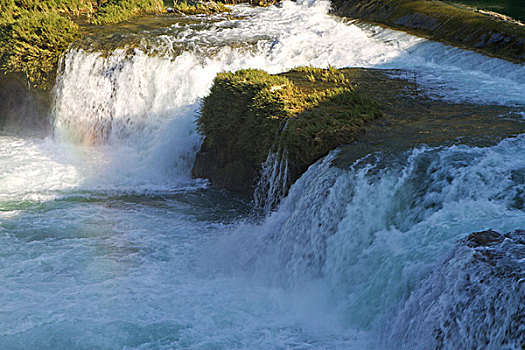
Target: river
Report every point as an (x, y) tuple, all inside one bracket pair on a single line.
[(106, 242)]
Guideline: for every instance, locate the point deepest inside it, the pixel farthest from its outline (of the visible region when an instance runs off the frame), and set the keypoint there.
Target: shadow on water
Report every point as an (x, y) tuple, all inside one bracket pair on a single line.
[(206, 205)]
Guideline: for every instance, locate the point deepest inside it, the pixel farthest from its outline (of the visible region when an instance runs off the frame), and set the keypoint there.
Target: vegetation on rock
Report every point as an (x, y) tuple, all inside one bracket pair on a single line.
[(114, 11), (32, 45), (33, 33), (244, 116), (198, 7), (307, 112), (195, 7)]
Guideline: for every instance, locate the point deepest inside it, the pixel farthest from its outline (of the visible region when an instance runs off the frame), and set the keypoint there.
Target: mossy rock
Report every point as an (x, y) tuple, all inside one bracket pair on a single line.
[(34, 33), (443, 22), (114, 11), (304, 114), (198, 7), (32, 45)]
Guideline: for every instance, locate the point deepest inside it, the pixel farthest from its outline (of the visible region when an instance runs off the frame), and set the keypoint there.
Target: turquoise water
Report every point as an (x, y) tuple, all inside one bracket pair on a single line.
[(106, 242)]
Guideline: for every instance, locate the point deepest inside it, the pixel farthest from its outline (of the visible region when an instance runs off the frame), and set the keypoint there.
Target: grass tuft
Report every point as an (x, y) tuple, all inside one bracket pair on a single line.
[(245, 111), (114, 11), (195, 8)]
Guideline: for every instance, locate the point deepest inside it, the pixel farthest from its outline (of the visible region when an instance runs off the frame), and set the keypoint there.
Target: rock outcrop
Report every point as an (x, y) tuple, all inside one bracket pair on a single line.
[(301, 115), (250, 113)]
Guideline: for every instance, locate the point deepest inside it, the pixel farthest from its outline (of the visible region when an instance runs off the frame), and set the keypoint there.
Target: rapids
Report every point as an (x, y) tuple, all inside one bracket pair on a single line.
[(106, 242)]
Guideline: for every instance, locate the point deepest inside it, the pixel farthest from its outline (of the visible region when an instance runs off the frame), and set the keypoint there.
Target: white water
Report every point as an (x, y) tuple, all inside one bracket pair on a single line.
[(474, 299), (369, 234), (106, 242), (273, 182)]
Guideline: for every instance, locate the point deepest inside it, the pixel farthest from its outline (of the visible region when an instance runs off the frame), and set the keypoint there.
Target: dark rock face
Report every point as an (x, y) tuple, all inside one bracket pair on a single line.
[(484, 239), (22, 108), (225, 170), (442, 22)]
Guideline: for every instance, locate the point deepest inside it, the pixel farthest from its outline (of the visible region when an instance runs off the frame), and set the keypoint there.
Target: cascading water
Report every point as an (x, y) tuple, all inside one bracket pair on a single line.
[(373, 231), (273, 181), (473, 300), (106, 242), (274, 177)]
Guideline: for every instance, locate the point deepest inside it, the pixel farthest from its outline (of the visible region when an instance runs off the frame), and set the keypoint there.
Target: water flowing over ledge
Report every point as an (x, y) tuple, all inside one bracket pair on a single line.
[(473, 299), (446, 22), (106, 241), (372, 233)]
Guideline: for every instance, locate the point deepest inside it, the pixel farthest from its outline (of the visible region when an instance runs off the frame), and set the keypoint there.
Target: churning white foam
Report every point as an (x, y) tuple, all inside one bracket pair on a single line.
[(372, 231)]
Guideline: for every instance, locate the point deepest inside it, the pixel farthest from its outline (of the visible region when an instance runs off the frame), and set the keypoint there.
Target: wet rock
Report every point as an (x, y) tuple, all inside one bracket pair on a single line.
[(472, 300), (484, 238), (225, 169), (417, 20), (23, 108)]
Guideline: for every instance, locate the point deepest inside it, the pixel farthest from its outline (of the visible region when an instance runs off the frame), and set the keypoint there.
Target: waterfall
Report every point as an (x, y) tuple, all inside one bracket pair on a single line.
[(374, 231), (274, 178), (473, 299), (273, 181)]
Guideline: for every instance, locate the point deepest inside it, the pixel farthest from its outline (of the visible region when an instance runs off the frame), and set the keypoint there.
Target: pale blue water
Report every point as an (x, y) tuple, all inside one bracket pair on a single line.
[(107, 243)]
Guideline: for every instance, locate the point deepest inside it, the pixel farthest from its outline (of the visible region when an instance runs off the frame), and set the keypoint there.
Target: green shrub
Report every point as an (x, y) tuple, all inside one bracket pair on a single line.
[(194, 8), (35, 33), (33, 44)]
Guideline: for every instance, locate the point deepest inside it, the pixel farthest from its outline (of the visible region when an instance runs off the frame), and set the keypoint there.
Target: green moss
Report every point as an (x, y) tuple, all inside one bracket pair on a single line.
[(13, 8), (245, 114), (32, 45), (194, 8), (114, 11)]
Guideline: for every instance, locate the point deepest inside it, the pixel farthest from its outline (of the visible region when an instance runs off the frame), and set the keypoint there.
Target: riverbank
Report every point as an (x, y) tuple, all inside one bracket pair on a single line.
[(436, 20), (34, 34), (509, 8)]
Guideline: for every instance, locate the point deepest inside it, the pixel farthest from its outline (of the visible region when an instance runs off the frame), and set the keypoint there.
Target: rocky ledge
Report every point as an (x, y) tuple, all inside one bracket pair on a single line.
[(436, 20)]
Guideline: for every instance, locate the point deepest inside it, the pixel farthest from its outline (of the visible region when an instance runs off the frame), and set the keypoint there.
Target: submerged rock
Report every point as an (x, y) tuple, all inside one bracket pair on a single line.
[(473, 300)]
